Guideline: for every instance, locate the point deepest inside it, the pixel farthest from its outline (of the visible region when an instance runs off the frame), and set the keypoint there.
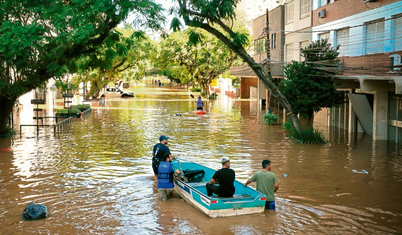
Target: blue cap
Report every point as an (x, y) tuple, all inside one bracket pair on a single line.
[(163, 138)]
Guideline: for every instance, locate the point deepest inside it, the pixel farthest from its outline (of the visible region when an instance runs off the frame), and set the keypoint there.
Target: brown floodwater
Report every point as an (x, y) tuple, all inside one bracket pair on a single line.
[(95, 176)]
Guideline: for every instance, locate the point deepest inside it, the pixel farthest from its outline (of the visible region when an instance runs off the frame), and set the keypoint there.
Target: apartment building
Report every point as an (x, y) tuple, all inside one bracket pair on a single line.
[(369, 33), (298, 23)]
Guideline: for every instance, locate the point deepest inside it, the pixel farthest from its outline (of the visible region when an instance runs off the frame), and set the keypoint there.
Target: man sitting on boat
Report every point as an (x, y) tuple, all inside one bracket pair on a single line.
[(267, 183), (199, 103), (225, 177), (165, 177)]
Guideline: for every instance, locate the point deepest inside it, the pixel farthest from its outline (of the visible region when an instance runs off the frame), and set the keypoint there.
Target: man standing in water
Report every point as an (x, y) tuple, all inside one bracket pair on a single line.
[(157, 153), (165, 177), (267, 183), (225, 177)]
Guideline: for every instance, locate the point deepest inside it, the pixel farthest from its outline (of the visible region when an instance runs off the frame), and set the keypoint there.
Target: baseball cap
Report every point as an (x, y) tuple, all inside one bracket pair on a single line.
[(224, 159), (163, 138)]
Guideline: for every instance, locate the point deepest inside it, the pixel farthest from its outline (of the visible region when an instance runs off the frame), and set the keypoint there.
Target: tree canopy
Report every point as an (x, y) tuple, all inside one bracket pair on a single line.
[(194, 55), (216, 17), (309, 85), (43, 39)]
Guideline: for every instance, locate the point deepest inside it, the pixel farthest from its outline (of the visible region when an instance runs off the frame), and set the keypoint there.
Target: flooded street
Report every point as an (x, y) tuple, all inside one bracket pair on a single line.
[(95, 175)]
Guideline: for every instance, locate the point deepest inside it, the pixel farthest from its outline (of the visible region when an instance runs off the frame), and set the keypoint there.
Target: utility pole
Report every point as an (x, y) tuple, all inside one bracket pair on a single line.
[(268, 47)]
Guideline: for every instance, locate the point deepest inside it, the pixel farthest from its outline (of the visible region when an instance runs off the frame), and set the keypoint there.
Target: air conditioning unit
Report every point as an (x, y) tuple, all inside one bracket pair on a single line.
[(321, 14)]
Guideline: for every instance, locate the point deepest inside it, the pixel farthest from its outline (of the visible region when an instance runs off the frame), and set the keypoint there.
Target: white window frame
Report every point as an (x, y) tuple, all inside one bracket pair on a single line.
[(305, 8), (342, 39), (290, 12), (374, 34), (289, 52), (397, 21)]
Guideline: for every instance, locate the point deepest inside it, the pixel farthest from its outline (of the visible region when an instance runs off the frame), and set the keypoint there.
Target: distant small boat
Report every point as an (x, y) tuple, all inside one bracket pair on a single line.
[(200, 112), (192, 188)]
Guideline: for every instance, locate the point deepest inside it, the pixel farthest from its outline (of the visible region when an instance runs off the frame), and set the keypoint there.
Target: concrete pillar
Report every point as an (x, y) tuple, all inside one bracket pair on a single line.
[(380, 115)]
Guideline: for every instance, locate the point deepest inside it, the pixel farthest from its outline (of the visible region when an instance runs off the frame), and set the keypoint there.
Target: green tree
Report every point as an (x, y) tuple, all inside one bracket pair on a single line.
[(197, 54), (216, 17), (309, 85), (43, 39), (124, 60)]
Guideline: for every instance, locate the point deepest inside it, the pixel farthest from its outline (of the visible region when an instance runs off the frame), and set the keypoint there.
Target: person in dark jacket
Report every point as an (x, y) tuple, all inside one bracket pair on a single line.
[(199, 103), (225, 177), (165, 177), (157, 153)]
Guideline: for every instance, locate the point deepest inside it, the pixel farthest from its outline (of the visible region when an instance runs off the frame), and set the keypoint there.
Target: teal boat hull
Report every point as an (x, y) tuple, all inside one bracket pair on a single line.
[(246, 200)]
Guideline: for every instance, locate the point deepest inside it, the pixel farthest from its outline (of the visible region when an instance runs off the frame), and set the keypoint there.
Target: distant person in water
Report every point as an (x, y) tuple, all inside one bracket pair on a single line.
[(199, 102)]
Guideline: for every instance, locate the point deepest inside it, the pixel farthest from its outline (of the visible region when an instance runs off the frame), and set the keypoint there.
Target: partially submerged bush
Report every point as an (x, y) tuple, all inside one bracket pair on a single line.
[(309, 136), (8, 133), (195, 89), (81, 107), (66, 111), (271, 118), (213, 96)]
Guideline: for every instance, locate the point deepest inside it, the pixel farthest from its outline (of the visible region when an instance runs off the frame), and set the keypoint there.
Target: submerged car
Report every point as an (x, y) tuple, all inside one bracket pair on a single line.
[(116, 92)]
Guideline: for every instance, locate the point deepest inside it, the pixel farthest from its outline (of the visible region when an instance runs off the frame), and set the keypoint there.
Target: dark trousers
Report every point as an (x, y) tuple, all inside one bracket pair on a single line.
[(212, 189)]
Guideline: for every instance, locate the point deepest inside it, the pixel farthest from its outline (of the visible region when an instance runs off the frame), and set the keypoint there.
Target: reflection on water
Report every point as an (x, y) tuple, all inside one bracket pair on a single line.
[(95, 175)]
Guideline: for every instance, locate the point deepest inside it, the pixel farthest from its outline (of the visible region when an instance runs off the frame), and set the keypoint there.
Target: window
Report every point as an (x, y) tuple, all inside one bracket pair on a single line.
[(323, 36), (274, 40), (289, 52), (324, 2), (303, 45), (398, 33), (375, 37), (342, 39), (259, 46), (305, 8), (289, 12)]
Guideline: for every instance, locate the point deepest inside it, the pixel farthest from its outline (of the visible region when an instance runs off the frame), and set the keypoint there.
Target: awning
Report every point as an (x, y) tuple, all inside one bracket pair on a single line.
[(243, 71)]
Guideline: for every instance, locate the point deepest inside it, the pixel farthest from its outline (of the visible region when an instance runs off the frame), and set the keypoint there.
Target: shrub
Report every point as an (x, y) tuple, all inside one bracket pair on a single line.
[(309, 136), (65, 111), (195, 89), (8, 133), (271, 118), (81, 107), (213, 96)]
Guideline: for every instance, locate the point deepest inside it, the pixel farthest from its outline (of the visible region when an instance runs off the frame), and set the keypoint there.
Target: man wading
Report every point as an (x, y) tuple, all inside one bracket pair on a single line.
[(158, 151), (267, 183), (165, 177)]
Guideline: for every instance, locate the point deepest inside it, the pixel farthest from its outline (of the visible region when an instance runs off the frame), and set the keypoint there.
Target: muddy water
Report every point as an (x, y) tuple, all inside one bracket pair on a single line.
[(95, 175)]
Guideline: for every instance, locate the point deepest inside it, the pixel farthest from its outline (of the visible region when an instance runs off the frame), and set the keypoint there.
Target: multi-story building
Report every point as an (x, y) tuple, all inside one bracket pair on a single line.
[(297, 28), (369, 34), (257, 8)]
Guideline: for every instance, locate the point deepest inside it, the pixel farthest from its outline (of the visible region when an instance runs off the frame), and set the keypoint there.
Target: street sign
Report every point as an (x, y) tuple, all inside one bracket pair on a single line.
[(67, 95), (34, 101), (37, 110)]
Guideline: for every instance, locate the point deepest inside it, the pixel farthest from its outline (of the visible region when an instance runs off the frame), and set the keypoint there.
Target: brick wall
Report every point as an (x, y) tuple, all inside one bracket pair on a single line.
[(375, 65), (343, 8)]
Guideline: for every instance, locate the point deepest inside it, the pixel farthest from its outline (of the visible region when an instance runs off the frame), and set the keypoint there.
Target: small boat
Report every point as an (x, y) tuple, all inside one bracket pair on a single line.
[(192, 188), (200, 112)]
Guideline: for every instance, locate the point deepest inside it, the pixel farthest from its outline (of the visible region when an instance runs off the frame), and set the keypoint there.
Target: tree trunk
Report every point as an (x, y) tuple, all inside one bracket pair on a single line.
[(5, 111), (257, 68), (307, 122)]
